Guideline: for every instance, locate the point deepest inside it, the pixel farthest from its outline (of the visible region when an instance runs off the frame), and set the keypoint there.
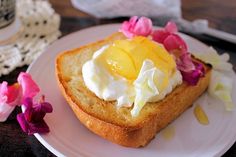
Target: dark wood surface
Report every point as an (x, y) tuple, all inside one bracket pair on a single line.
[(221, 15)]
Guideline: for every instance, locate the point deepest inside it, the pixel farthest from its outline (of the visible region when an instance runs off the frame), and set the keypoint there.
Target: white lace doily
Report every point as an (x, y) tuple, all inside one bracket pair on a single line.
[(39, 27)]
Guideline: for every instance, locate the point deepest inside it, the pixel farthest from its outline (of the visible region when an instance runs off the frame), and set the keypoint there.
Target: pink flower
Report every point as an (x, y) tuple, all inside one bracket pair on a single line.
[(136, 27), (175, 45), (31, 121), (13, 95), (169, 38)]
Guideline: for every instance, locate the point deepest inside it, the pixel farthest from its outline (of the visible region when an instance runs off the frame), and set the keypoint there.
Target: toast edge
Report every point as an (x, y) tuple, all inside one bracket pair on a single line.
[(130, 137)]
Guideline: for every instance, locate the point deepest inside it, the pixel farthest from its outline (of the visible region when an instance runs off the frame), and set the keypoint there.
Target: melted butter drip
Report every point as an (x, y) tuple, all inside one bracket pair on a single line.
[(201, 115), (168, 133)]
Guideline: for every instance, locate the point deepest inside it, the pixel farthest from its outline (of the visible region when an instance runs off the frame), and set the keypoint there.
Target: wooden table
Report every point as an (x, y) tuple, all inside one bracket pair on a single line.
[(221, 15)]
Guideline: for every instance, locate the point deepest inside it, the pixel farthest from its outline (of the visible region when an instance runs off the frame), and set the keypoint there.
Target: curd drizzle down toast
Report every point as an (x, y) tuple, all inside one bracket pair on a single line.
[(103, 117)]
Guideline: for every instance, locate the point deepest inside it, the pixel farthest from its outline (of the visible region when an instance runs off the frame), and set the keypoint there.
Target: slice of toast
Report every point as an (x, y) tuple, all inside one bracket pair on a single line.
[(103, 118)]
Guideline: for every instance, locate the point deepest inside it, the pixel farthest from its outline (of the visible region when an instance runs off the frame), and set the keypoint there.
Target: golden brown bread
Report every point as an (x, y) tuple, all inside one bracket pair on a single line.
[(103, 118)]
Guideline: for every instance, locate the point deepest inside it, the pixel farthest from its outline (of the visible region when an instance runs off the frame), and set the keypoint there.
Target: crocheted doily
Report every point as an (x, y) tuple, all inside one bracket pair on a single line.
[(39, 27)]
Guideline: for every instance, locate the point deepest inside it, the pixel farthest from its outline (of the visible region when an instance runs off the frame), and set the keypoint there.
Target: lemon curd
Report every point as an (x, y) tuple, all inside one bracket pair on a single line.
[(125, 58)]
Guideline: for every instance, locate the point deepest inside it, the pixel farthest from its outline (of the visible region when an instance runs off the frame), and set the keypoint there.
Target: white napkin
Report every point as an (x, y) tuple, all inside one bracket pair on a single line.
[(163, 10), (117, 8)]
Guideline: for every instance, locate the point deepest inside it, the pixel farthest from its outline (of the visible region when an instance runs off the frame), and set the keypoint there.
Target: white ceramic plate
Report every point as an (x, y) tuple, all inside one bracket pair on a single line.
[(68, 137)]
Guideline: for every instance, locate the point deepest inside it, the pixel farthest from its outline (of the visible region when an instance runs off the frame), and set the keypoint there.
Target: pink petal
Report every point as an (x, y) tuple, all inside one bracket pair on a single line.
[(5, 111), (184, 63), (31, 128), (28, 103), (40, 128), (40, 110), (160, 35), (3, 92), (171, 27), (143, 27), (192, 77), (132, 21), (22, 121), (31, 121), (46, 107), (173, 42), (135, 27), (9, 94), (168, 38), (14, 93), (35, 112), (127, 26), (125, 29), (29, 87)]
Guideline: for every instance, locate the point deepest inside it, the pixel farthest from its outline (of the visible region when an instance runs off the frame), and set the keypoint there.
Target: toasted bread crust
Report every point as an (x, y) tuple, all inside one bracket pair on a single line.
[(127, 132)]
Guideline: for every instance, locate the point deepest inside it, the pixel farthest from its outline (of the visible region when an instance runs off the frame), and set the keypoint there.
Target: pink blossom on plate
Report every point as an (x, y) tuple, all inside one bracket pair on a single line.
[(31, 121), (13, 95), (136, 27)]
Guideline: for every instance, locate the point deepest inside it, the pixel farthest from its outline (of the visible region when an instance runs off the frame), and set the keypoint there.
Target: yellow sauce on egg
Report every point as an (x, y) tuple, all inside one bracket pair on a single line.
[(125, 58)]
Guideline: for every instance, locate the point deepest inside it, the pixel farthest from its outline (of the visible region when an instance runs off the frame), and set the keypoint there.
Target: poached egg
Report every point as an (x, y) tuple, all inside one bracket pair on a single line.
[(132, 72)]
